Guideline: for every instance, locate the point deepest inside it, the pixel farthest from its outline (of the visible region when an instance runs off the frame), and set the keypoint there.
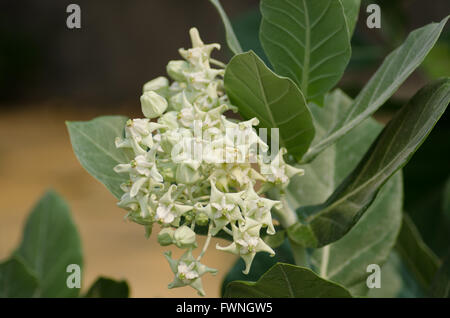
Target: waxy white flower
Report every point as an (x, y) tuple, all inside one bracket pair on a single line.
[(168, 211), (247, 242), (188, 271), (278, 172)]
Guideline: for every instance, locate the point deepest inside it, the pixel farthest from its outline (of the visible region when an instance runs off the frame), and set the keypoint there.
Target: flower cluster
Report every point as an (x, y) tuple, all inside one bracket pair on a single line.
[(195, 167)]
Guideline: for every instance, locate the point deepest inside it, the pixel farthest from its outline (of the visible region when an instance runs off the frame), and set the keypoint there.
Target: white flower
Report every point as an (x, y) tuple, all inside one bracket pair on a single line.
[(223, 208), (247, 244), (278, 172), (185, 272), (165, 213)]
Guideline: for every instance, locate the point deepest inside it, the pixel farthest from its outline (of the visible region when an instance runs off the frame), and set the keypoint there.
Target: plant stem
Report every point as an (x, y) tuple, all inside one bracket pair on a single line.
[(205, 247), (299, 253), (288, 217), (324, 262)]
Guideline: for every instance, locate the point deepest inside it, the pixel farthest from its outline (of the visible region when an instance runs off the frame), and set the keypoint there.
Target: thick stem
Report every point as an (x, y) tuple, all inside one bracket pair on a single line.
[(288, 217), (324, 262), (299, 253)]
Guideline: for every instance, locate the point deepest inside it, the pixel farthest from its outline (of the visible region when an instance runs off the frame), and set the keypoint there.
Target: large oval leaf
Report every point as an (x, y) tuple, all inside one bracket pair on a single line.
[(306, 40), (287, 281), (396, 281), (370, 241), (373, 237), (93, 144), (328, 222), (50, 243), (395, 69), (275, 101)]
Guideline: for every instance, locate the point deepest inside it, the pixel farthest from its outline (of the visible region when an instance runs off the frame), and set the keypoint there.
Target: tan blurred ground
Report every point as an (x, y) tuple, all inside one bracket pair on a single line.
[(35, 155)]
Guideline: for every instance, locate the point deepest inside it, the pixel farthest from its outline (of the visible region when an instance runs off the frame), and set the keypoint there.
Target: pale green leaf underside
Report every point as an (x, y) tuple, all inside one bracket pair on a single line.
[(287, 281), (232, 40), (307, 41), (369, 242), (93, 144), (373, 237), (274, 100), (396, 281), (395, 69), (328, 222)]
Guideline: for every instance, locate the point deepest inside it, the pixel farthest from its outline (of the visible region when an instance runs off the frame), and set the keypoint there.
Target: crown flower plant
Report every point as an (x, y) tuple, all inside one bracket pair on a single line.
[(171, 186), (293, 173)]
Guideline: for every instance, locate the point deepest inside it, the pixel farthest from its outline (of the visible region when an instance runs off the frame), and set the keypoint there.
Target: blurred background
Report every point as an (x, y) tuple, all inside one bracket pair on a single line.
[(49, 74)]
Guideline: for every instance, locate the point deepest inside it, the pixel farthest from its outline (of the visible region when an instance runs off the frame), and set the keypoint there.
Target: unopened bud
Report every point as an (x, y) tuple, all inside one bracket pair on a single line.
[(165, 236), (184, 237), (153, 104), (177, 69), (160, 85)]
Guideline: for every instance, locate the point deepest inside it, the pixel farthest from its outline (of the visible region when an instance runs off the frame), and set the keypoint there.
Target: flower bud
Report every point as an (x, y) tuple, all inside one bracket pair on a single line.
[(176, 70), (160, 85), (184, 237), (153, 104), (165, 236)]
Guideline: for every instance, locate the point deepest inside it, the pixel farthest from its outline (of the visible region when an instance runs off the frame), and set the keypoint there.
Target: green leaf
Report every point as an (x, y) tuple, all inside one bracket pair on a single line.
[(287, 281), (307, 41), (274, 100), (93, 144), (370, 241), (50, 243), (395, 69), (325, 223), (105, 287), (373, 237), (232, 41), (441, 282), (396, 281), (419, 259), (351, 12), (16, 281)]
